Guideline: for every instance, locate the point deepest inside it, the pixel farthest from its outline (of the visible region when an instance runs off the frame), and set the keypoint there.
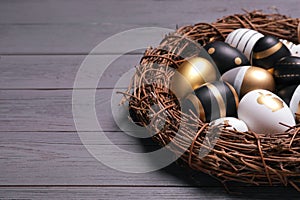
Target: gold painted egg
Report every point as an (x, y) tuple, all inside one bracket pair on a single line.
[(191, 74), (247, 78), (267, 51), (263, 112)]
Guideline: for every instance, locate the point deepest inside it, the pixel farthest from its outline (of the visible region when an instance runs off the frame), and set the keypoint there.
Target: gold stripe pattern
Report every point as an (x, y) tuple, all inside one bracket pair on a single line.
[(219, 98), (266, 53), (198, 106), (236, 97)]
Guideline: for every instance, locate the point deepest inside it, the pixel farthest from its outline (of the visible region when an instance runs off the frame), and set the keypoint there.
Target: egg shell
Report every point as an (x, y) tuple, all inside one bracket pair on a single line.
[(287, 71), (230, 123), (225, 56), (267, 51), (295, 103), (191, 74), (215, 100), (248, 78), (263, 111), (286, 93), (294, 49), (243, 39)]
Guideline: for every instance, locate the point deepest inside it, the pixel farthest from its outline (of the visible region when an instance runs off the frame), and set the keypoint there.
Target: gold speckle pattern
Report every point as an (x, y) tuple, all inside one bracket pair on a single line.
[(238, 61), (211, 50), (270, 102)]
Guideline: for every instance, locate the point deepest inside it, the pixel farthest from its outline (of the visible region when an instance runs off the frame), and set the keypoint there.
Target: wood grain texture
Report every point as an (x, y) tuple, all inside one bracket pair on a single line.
[(147, 193), (42, 45), (57, 72), (49, 110), (59, 158), (55, 27), (150, 13)]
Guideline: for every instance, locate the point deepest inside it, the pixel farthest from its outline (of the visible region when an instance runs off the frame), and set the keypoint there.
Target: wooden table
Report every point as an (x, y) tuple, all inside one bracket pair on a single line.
[(42, 45)]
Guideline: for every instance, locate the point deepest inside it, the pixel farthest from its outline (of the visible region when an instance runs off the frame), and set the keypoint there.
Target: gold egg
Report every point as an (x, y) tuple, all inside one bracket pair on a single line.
[(192, 74), (257, 78), (247, 78)]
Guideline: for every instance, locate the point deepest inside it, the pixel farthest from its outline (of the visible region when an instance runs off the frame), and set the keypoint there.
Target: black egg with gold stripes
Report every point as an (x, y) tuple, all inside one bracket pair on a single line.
[(215, 100), (267, 51), (287, 71)]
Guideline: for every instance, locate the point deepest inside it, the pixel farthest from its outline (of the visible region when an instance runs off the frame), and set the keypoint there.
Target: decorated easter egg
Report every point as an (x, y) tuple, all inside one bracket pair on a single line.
[(225, 56), (263, 112), (294, 49), (267, 51), (243, 39), (191, 74), (230, 123), (287, 71), (247, 78), (214, 100), (286, 93), (295, 103)]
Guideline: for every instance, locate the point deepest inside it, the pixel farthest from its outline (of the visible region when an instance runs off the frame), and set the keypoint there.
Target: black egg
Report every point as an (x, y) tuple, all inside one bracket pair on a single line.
[(287, 71), (267, 51), (225, 56), (286, 93), (214, 100)]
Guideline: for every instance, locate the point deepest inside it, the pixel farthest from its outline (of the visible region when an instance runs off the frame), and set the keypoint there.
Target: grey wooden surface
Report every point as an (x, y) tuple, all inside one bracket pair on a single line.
[(42, 45)]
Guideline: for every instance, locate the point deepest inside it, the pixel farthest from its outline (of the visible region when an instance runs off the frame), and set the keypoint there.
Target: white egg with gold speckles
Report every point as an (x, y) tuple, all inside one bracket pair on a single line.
[(229, 123), (264, 112)]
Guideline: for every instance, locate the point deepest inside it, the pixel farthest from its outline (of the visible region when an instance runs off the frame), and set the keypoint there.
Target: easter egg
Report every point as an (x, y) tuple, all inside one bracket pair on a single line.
[(263, 111), (295, 103), (225, 56), (243, 39), (247, 78), (191, 74), (267, 51), (294, 49), (287, 71), (214, 100), (286, 93), (230, 123)]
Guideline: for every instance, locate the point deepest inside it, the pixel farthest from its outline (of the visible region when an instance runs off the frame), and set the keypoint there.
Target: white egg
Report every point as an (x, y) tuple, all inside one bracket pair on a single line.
[(231, 123), (294, 49), (243, 39), (263, 112), (295, 101)]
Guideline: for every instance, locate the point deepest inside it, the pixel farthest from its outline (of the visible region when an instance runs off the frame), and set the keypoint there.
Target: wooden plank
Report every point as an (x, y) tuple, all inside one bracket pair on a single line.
[(58, 39), (150, 13), (50, 158), (147, 193), (48, 72), (44, 110), (80, 38)]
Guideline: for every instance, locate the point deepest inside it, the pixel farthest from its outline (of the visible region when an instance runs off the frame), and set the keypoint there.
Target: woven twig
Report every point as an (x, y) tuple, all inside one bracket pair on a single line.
[(246, 157)]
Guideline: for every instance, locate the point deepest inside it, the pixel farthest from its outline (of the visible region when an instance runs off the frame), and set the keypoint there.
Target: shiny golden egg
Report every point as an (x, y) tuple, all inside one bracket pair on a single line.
[(191, 74)]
